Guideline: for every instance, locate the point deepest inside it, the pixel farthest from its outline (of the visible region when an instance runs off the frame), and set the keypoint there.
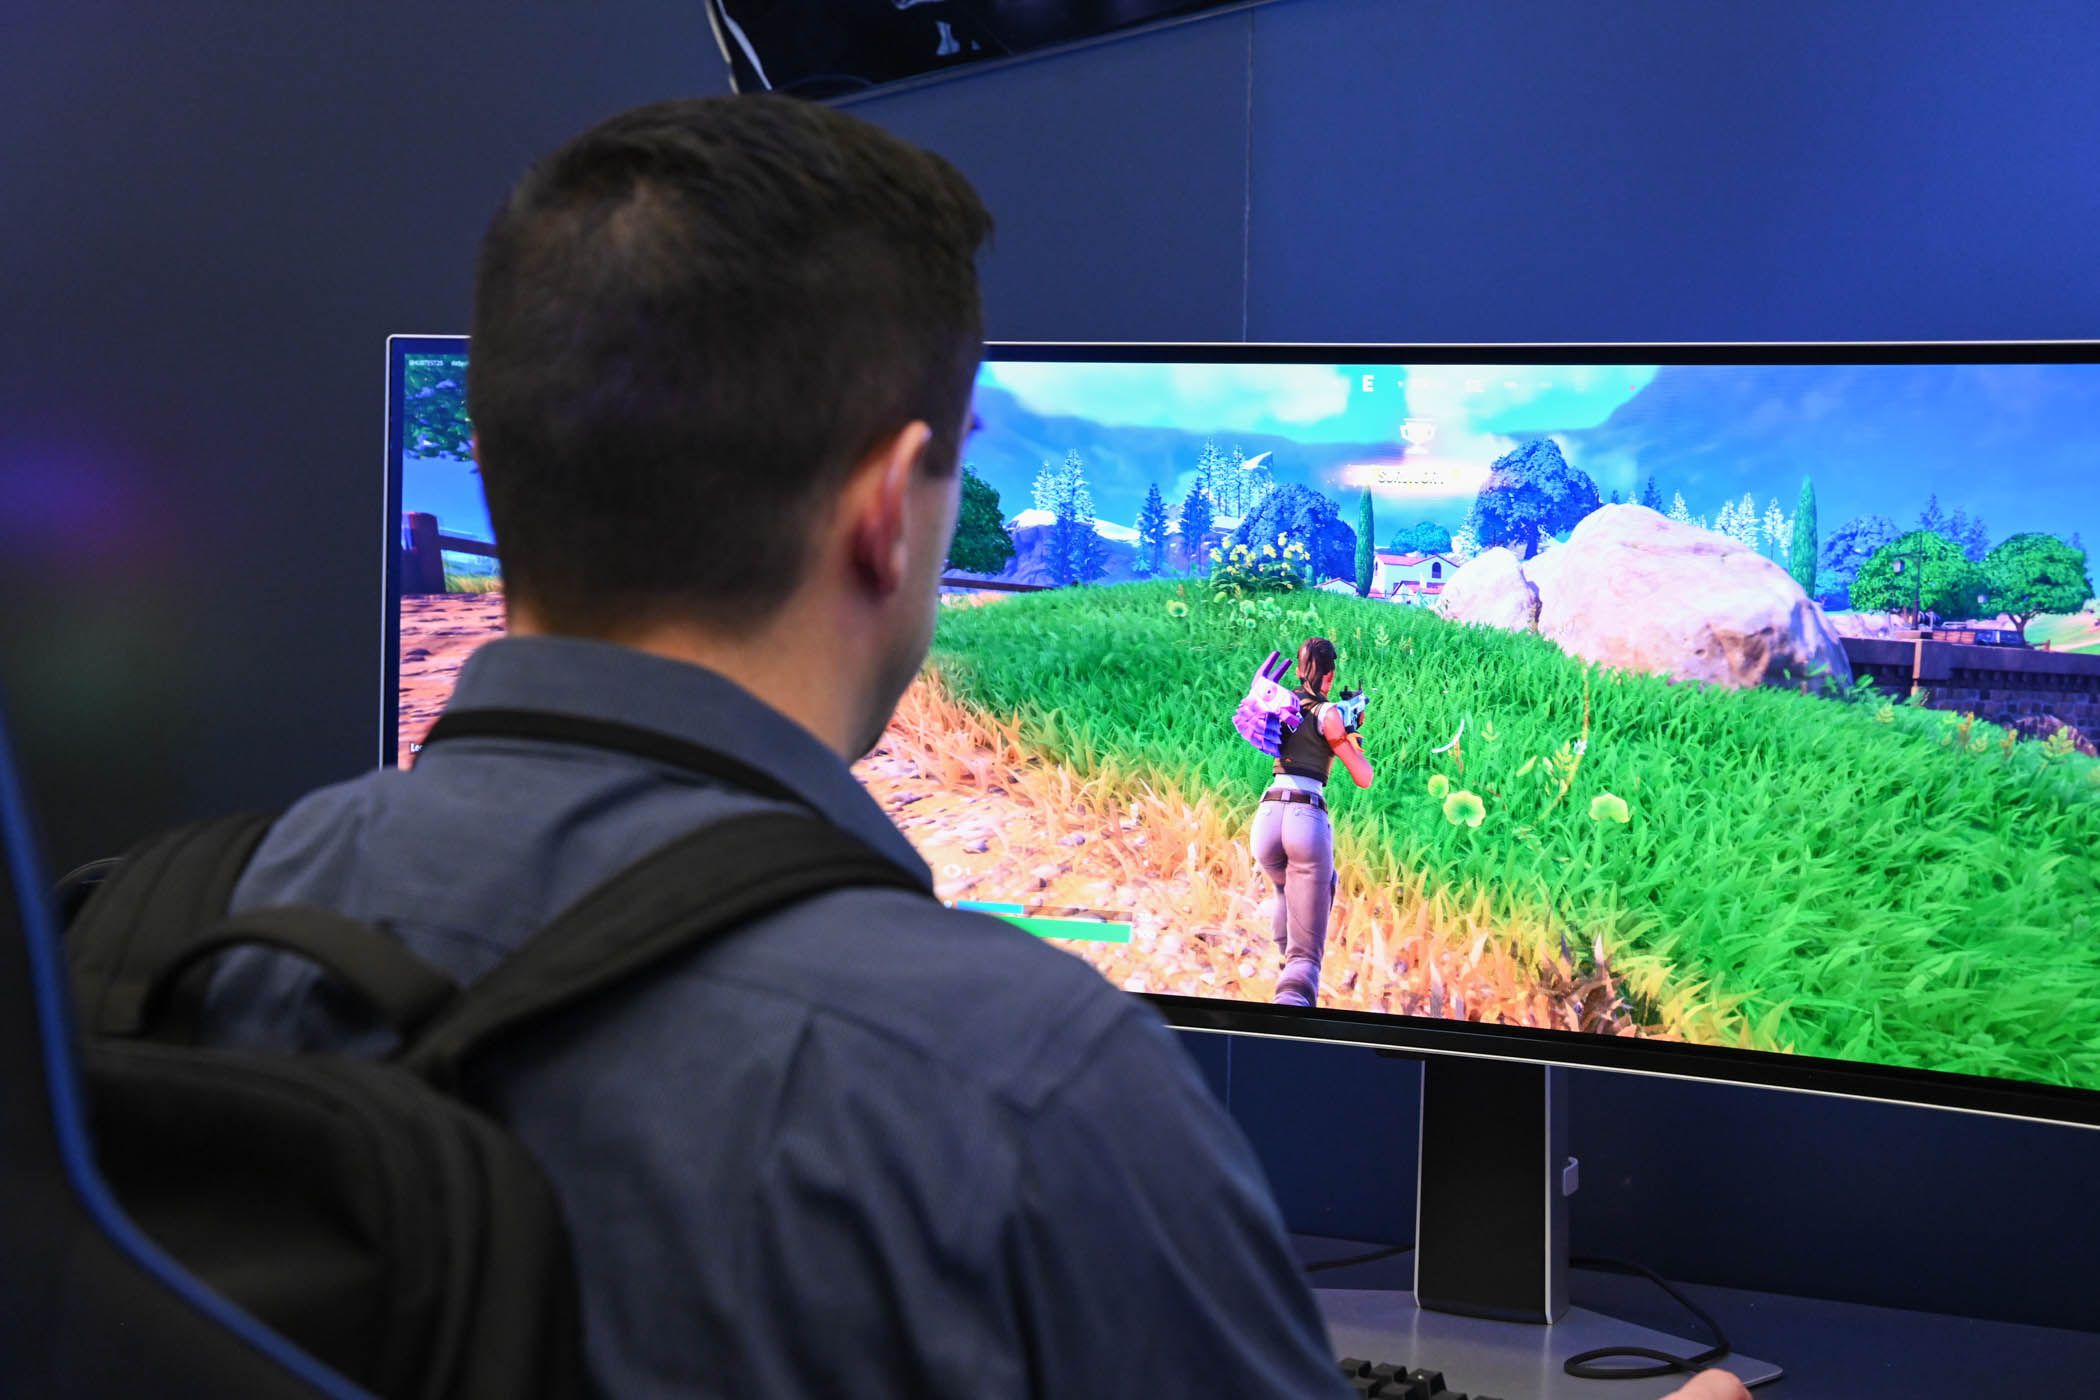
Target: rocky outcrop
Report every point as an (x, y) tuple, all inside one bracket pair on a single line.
[(1491, 589), (1634, 590)]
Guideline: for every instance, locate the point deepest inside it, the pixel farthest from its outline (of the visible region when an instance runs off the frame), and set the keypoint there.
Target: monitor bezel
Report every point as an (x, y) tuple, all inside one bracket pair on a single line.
[(1428, 1036)]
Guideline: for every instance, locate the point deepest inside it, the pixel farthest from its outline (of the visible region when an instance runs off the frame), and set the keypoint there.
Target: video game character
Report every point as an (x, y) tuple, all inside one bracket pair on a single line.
[(1292, 840)]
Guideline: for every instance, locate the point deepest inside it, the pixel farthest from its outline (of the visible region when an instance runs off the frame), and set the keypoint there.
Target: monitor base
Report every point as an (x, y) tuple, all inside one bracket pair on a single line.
[(1516, 1360)]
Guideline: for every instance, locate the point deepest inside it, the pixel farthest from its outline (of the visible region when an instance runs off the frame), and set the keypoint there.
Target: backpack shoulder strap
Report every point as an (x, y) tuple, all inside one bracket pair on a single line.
[(679, 898), (166, 891)]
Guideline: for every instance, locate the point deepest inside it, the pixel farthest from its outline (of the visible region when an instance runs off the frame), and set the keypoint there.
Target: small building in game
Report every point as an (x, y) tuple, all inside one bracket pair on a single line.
[(1410, 578)]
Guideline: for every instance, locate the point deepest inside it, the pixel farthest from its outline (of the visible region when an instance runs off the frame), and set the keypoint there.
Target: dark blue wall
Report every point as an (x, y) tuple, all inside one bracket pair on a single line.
[(211, 217)]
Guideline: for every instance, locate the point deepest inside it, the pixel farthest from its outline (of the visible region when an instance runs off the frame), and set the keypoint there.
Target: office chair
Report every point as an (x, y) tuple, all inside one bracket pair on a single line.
[(88, 1305)]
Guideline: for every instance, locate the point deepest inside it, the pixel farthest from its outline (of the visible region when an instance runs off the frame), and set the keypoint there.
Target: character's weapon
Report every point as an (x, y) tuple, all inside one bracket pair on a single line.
[(1269, 709), (1351, 706)]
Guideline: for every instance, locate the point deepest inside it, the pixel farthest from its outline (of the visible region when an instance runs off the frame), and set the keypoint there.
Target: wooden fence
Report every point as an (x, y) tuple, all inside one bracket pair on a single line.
[(423, 550)]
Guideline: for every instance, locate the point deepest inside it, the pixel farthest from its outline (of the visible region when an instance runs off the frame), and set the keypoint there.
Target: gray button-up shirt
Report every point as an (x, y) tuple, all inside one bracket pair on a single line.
[(867, 1146)]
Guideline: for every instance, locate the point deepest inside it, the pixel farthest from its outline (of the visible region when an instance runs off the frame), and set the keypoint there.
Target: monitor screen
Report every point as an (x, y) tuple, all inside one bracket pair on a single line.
[(1725, 711)]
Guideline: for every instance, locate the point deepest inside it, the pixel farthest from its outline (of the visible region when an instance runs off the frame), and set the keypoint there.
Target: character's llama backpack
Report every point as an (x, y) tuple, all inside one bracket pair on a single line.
[(1269, 710)]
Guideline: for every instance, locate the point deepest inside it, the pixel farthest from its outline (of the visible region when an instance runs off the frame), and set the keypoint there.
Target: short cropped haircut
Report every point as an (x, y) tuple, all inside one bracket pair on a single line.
[(689, 323)]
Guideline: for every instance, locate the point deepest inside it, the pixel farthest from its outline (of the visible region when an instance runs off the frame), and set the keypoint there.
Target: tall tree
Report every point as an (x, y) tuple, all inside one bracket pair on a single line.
[(1234, 476), (2033, 573), (1260, 478), (1651, 494), (1305, 516), (981, 544), (1679, 511), (1422, 537), (1210, 474), (1932, 517), (1152, 533), (1935, 576), (1849, 547), (1366, 547), (1970, 533), (1776, 530), (1074, 544), (1746, 526), (1196, 517), (1531, 492), (1801, 554)]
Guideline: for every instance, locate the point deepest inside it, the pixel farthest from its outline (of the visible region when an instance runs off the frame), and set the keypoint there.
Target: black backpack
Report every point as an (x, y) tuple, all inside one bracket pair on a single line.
[(369, 1210)]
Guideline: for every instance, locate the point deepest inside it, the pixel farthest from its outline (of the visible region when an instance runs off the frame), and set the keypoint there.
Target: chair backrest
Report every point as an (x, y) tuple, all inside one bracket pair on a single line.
[(88, 1305)]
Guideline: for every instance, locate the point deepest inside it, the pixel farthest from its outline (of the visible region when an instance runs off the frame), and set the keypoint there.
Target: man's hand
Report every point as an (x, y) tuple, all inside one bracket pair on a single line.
[(1711, 1385)]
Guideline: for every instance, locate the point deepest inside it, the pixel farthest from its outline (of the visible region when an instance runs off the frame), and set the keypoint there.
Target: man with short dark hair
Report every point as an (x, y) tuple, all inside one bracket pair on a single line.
[(721, 368)]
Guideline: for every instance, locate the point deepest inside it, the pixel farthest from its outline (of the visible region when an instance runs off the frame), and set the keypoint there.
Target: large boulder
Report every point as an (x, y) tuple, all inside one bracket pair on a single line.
[(1491, 589), (1634, 590)]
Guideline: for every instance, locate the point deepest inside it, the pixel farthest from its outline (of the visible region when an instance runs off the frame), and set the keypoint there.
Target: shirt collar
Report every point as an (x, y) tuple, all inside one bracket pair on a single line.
[(603, 680)]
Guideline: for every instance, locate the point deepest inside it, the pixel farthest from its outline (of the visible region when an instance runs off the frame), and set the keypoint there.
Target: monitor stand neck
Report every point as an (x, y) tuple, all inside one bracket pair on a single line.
[(1491, 1204)]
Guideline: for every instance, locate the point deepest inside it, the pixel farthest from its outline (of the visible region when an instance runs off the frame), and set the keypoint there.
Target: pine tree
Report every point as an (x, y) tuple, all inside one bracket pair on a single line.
[(1366, 548), (1210, 471), (1777, 530), (1616, 498), (1465, 543), (1260, 482), (1931, 518), (1075, 546), (1047, 485), (1801, 559), (1231, 494), (1679, 511), (1195, 524), (1152, 533), (1651, 494)]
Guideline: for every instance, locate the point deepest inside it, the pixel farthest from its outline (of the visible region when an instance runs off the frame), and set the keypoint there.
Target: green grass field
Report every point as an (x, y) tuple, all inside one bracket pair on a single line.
[(2066, 632), (1852, 878)]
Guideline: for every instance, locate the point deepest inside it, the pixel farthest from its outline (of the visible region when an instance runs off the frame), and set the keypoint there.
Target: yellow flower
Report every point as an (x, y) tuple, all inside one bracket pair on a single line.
[(1609, 807), (1177, 608), (1269, 549), (1439, 785), (1464, 808)]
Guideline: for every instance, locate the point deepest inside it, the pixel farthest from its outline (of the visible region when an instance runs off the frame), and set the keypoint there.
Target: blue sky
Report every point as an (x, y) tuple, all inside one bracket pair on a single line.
[(2017, 444), (1322, 403)]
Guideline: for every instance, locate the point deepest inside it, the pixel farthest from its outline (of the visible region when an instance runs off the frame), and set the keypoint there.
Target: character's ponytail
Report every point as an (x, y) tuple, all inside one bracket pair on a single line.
[(1315, 662)]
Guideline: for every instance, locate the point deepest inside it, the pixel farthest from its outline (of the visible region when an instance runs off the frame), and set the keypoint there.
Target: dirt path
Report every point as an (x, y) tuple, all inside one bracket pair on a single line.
[(997, 825), (438, 631)]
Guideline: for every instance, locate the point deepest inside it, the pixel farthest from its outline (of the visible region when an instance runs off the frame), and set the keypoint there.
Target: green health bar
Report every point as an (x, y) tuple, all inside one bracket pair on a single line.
[(1088, 924)]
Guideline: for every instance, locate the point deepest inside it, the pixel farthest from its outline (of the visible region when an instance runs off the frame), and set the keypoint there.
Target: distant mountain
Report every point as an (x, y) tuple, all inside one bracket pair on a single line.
[(2016, 444), (1123, 462)]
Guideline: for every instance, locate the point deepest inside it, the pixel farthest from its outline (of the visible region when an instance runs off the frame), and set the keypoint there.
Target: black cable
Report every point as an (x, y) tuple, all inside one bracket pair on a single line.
[(1346, 1260), (1583, 1364)]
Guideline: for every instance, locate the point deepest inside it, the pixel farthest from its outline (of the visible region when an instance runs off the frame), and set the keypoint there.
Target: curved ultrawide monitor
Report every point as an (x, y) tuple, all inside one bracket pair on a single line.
[(1716, 711)]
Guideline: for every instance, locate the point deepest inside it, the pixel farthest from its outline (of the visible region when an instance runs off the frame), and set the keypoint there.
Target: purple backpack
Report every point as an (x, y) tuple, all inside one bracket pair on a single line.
[(1269, 710)]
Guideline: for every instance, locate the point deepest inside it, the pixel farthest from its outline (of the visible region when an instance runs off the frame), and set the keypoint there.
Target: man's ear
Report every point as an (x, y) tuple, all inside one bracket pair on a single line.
[(877, 500)]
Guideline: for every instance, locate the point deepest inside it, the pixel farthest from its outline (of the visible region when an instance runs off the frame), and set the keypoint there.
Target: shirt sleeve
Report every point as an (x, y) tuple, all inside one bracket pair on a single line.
[(1149, 1256)]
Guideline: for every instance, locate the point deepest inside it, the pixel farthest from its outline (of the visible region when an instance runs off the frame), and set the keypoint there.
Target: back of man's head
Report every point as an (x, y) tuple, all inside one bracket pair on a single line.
[(689, 324)]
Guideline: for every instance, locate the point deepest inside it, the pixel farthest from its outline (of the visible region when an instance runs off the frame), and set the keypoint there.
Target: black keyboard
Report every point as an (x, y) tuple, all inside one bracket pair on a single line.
[(1383, 1380)]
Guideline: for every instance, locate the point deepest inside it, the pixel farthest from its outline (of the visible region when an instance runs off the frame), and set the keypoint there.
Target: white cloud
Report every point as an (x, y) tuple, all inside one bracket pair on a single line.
[(1198, 398)]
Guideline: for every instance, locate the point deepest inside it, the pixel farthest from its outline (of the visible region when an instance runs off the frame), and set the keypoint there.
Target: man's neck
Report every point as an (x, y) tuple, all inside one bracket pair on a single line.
[(769, 664)]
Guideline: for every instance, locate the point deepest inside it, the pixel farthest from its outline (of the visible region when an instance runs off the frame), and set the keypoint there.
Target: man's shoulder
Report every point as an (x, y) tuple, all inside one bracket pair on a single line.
[(991, 1005)]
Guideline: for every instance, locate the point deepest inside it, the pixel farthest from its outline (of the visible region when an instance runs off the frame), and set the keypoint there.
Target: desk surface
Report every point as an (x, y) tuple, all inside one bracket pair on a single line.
[(1831, 1351)]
